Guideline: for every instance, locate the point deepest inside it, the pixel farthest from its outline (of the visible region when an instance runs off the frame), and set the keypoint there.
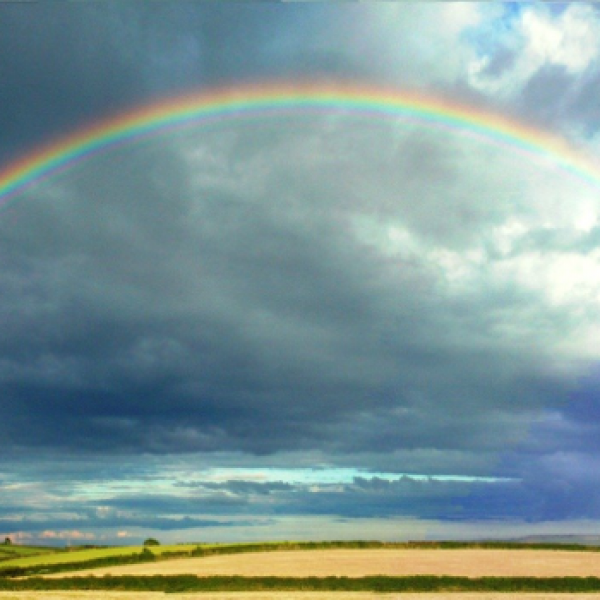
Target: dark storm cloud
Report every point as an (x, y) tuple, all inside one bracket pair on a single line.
[(65, 65), (240, 486), (241, 312), (554, 467), (211, 502), (570, 429), (62, 65), (364, 497), (245, 502), (377, 497), (552, 487)]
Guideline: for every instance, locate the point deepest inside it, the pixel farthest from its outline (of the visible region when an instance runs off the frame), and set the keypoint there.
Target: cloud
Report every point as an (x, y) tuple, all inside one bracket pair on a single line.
[(403, 44), (261, 302), (54, 81), (541, 61), (49, 534), (301, 291)]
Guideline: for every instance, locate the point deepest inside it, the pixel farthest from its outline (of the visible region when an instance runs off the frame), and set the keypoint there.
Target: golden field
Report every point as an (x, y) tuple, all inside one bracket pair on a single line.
[(102, 595), (466, 562)]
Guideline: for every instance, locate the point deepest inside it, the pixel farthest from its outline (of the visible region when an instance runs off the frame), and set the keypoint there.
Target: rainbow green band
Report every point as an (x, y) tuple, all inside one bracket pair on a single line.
[(253, 101)]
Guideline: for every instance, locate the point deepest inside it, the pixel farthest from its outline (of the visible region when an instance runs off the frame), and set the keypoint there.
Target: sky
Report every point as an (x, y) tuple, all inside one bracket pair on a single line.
[(310, 325)]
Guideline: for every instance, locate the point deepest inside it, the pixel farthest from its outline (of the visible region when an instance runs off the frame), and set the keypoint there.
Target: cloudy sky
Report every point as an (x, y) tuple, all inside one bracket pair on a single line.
[(306, 325)]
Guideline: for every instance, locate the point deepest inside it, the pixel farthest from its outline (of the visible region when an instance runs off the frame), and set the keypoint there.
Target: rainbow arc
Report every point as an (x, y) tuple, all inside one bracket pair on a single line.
[(272, 100)]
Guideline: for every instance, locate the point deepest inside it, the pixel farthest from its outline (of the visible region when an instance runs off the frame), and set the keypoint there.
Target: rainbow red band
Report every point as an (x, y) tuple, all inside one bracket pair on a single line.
[(252, 101)]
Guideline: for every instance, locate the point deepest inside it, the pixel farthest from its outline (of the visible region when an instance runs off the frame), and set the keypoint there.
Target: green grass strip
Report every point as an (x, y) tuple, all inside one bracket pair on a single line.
[(108, 561), (421, 583)]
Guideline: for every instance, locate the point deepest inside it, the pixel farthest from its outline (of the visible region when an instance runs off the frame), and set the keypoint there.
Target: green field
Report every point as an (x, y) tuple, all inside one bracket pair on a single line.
[(29, 557), (9, 552), (55, 556)]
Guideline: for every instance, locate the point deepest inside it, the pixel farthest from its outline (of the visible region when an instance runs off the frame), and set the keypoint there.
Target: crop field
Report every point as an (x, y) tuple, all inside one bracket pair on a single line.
[(104, 595), (368, 562), (308, 571)]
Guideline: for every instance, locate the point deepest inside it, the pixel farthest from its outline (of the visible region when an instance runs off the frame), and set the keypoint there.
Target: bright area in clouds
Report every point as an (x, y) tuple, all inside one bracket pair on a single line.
[(568, 41), (301, 326)]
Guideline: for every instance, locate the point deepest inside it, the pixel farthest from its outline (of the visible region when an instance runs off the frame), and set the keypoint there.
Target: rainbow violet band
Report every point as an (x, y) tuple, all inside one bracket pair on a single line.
[(267, 100)]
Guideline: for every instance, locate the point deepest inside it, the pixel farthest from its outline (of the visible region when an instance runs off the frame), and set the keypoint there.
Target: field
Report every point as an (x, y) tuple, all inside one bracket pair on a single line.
[(365, 562), (307, 571), (12, 551), (285, 596), (29, 559)]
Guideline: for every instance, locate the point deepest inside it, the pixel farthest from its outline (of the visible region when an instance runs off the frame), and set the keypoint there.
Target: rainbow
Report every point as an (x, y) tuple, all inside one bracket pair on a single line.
[(266, 100)]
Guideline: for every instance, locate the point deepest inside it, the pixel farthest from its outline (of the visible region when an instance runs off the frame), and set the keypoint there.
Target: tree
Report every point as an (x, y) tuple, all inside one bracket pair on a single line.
[(7, 541), (151, 542)]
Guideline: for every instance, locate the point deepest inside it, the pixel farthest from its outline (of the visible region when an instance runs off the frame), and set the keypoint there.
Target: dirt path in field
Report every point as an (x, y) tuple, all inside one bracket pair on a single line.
[(363, 562), (283, 596)]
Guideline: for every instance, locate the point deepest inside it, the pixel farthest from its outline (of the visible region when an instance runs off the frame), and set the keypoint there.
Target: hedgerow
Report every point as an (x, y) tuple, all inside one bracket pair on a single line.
[(110, 561), (419, 583)]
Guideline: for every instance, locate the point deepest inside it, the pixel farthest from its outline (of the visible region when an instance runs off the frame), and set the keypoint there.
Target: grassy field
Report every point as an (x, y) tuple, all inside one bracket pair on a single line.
[(15, 551), (85, 554)]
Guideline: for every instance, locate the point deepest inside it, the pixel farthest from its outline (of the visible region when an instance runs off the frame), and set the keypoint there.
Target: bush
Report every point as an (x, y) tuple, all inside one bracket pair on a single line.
[(147, 555)]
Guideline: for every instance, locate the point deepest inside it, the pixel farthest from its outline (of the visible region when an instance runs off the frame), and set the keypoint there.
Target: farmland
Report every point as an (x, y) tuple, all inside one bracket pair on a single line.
[(53, 557), (319, 569), (67, 595), (30, 560), (372, 561)]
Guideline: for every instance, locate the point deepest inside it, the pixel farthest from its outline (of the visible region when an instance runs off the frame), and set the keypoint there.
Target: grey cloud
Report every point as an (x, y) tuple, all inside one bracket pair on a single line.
[(381, 498), (67, 65), (240, 487), (549, 94), (62, 67), (241, 312), (146, 522)]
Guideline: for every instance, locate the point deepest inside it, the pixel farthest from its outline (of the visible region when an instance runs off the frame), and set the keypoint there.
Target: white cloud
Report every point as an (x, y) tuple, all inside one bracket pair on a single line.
[(570, 40), (74, 534), (540, 38)]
